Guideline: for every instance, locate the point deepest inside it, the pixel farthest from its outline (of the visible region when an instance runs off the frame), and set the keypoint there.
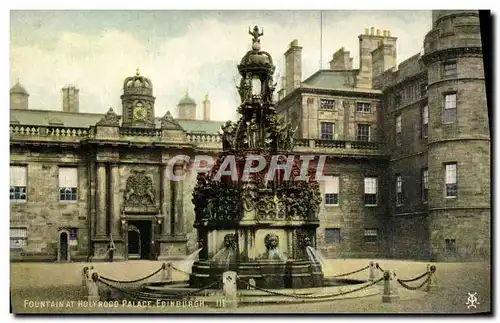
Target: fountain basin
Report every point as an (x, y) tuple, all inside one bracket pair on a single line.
[(265, 273)]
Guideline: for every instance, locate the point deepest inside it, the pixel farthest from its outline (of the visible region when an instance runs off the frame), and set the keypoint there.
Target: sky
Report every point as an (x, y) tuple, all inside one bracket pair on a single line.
[(194, 51)]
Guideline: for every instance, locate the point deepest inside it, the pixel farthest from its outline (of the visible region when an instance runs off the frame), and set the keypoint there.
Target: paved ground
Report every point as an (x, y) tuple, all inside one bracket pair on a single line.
[(33, 283)]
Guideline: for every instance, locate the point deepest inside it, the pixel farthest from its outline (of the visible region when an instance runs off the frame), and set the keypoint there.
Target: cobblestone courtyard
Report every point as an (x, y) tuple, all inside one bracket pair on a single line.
[(62, 282)]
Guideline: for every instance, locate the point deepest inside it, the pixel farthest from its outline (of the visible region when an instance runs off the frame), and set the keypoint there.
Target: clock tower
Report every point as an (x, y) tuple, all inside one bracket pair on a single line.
[(138, 102)]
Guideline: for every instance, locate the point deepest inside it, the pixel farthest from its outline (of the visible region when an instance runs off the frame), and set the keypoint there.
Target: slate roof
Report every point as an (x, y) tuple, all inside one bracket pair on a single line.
[(82, 119), (332, 79)]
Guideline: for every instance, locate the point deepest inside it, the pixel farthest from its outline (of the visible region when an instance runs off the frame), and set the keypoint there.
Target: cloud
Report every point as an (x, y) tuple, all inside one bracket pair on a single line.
[(202, 59)]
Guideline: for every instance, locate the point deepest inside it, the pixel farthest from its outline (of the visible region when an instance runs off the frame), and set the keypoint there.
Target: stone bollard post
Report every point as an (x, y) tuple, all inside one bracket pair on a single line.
[(251, 281), (372, 276), (388, 295), (432, 286), (166, 272), (230, 290), (93, 288)]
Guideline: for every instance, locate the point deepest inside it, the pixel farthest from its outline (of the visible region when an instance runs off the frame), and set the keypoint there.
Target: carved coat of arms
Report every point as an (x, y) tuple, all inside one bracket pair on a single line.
[(139, 190)]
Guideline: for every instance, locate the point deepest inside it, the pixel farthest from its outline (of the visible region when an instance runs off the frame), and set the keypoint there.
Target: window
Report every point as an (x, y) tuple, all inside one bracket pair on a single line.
[(371, 235), (73, 237), (332, 236), (327, 130), (451, 246), (425, 184), (399, 190), (450, 108), (332, 191), (363, 107), (18, 238), (450, 68), (327, 104), (451, 180), (363, 133), (398, 130), (18, 183), (425, 121), (68, 183), (370, 191)]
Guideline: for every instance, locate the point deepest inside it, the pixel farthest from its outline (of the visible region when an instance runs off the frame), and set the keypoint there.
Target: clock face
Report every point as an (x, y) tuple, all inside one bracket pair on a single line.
[(140, 113)]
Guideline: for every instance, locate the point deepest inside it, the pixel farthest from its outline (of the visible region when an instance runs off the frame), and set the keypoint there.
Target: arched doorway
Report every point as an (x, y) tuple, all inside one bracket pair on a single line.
[(63, 253), (134, 242)]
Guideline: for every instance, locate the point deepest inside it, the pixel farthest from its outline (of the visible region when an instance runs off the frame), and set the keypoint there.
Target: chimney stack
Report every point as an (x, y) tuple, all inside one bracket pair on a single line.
[(206, 109), (70, 99), (293, 67)]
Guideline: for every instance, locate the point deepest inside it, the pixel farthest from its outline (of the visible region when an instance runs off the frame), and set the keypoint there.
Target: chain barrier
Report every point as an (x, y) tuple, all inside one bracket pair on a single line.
[(352, 272), (180, 270), (416, 287), (132, 281), (312, 297), (153, 296), (416, 278), (380, 268)]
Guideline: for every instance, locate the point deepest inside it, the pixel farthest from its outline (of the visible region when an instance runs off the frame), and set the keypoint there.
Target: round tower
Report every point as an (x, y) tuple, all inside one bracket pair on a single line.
[(459, 138), (138, 102), (187, 108), (18, 97)]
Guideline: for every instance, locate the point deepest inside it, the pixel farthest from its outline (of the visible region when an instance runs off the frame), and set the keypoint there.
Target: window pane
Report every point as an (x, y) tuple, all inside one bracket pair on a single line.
[(332, 235), (331, 199), (18, 176), (450, 115), (399, 184), (451, 173), (332, 185), (327, 130), (363, 133), (68, 177), (327, 104), (370, 185), (450, 101), (398, 124)]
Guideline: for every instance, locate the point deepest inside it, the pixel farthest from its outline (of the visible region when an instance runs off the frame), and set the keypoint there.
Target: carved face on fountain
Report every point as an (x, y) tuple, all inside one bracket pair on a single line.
[(271, 241), (229, 241)]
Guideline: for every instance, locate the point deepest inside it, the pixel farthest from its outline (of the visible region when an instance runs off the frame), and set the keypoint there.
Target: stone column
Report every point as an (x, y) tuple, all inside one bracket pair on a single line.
[(166, 200), (179, 202), (101, 200), (114, 198)]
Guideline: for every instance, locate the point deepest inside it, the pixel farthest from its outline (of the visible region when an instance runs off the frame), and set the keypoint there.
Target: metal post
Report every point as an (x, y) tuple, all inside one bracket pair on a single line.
[(388, 295)]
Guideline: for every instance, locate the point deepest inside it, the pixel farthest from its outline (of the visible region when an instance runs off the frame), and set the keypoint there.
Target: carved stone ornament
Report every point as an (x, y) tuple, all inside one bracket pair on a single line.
[(346, 104), (139, 190), (109, 119), (168, 122)]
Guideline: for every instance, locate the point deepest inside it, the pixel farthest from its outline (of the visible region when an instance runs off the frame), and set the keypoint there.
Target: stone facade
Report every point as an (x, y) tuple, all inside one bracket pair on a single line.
[(108, 153)]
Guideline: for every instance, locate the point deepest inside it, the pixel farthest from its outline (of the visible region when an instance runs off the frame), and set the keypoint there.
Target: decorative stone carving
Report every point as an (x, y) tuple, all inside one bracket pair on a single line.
[(169, 123), (227, 133), (109, 119), (346, 103), (139, 190), (271, 241)]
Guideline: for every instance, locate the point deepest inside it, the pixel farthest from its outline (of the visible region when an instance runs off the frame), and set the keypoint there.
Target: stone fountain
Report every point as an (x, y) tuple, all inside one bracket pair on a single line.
[(257, 223)]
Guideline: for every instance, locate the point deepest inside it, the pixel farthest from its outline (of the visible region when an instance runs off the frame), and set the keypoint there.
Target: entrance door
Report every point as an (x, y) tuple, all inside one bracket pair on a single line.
[(63, 246), (139, 239), (134, 242)]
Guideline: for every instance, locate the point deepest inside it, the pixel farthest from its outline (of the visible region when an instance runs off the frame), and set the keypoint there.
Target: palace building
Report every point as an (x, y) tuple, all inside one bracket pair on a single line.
[(408, 151)]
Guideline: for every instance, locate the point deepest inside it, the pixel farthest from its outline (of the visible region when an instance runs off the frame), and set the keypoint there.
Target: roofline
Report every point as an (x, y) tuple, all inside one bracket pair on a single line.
[(327, 70)]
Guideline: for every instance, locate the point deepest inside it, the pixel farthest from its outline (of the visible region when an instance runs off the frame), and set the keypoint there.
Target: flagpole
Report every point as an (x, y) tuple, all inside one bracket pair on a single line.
[(321, 39)]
